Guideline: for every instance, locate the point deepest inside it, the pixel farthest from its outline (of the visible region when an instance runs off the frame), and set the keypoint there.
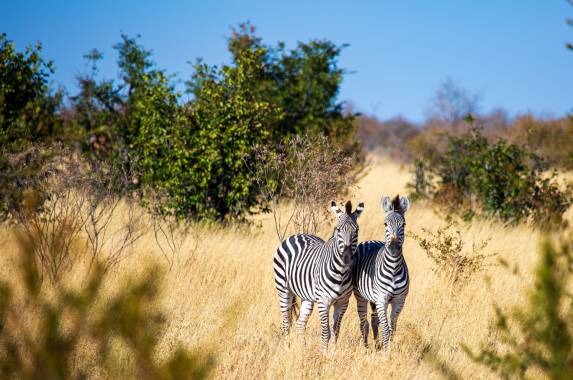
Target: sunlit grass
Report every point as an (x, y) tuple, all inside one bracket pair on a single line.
[(220, 296)]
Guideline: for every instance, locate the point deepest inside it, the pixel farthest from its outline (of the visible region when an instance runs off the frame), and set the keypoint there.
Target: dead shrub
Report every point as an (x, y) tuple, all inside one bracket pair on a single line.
[(308, 171), (452, 260), (70, 198)]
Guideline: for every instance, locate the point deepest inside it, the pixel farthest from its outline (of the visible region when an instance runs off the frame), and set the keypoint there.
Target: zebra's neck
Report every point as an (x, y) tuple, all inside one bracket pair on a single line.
[(334, 259), (391, 264)]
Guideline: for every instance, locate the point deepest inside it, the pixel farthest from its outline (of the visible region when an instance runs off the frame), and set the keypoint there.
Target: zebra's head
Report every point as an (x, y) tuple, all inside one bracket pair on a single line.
[(346, 232), (395, 222)]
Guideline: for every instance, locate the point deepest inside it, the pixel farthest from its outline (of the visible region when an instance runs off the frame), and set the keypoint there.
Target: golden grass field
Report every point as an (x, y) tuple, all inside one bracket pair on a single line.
[(220, 298)]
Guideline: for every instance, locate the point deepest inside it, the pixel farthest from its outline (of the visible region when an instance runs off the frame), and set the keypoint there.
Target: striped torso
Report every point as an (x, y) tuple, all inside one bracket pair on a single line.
[(309, 267), (376, 273)]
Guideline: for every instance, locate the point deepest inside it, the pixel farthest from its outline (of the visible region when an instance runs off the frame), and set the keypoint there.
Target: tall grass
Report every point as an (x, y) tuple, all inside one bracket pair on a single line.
[(223, 298)]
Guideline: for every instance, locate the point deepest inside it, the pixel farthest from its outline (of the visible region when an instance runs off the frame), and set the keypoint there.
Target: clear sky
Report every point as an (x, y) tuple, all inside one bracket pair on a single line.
[(511, 52)]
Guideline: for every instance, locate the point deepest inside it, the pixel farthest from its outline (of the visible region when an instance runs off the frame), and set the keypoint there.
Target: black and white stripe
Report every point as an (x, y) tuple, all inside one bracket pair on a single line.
[(380, 274), (318, 271)]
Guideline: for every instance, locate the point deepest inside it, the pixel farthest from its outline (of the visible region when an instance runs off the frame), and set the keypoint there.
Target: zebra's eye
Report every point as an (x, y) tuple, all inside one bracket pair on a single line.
[(385, 224)]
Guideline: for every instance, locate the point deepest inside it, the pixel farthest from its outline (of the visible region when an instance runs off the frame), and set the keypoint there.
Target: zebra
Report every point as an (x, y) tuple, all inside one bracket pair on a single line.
[(380, 274), (318, 271)]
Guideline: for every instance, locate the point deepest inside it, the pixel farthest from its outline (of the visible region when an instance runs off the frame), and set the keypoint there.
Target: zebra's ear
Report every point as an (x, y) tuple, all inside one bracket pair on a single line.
[(386, 204), (335, 208), (359, 209), (404, 204)]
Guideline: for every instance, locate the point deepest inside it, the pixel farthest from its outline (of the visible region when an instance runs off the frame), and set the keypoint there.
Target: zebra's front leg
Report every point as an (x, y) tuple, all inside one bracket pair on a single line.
[(305, 311), (324, 312), (362, 308), (340, 308), (381, 308), (397, 306), (375, 325)]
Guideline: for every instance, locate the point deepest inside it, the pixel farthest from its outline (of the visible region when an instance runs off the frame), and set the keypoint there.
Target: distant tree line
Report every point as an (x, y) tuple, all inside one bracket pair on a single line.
[(404, 140)]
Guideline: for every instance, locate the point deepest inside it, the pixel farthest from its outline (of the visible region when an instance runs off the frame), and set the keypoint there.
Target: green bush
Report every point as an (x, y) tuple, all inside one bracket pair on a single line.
[(27, 114), (203, 163), (194, 154), (497, 179)]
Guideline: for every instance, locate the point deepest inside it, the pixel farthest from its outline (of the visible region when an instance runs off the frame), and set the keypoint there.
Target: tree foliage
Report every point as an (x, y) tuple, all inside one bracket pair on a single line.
[(27, 106), (196, 154), (303, 82)]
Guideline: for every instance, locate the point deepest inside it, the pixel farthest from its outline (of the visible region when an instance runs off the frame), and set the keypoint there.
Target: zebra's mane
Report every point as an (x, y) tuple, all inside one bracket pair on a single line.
[(348, 207), (396, 205)]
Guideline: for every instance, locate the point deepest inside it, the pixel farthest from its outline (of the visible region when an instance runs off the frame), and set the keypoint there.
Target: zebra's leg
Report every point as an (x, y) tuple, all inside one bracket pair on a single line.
[(375, 324), (361, 306), (340, 308), (305, 311), (286, 299), (397, 306), (324, 311), (381, 309)]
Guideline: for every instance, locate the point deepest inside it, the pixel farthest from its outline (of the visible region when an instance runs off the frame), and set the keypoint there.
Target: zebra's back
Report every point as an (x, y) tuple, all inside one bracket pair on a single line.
[(295, 264)]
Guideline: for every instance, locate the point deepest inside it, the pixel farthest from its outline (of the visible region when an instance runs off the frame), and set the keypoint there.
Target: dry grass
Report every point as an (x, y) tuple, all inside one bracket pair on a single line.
[(221, 297)]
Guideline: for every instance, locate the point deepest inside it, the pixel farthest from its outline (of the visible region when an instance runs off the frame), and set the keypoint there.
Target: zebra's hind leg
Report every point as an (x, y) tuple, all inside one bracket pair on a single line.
[(340, 308), (286, 301), (361, 306), (324, 311), (375, 321), (305, 311)]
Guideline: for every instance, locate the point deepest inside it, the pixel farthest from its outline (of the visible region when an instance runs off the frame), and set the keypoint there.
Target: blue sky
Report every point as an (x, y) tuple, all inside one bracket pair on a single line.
[(511, 52)]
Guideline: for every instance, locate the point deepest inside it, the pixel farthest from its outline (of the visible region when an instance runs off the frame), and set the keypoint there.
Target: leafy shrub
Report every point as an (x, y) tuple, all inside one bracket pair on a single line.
[(498, 179), (539, 334), (75, 334), (227, 121)]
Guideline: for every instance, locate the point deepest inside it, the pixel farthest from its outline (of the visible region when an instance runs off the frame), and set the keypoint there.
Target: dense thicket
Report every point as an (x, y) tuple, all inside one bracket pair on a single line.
[(196, 155)]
